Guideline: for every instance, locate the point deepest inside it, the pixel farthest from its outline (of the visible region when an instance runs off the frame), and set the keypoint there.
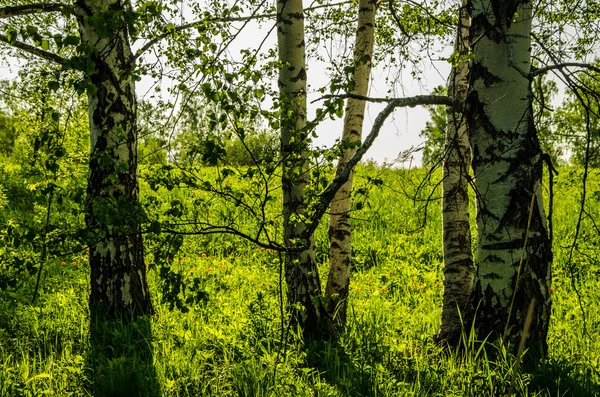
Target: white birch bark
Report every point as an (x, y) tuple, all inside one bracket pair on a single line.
[(507, 164), (458, 259), (118, 273), (340, 231), (302, 277)]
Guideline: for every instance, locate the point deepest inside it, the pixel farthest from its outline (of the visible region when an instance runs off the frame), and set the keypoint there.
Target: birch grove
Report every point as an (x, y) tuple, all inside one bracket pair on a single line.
[(504, 289)]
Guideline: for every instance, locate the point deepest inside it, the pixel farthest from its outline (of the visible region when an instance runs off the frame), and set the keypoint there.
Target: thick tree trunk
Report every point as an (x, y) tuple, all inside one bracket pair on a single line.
[(513, 250), (301, 272), (118, 273), (340, 233), (459, 271)]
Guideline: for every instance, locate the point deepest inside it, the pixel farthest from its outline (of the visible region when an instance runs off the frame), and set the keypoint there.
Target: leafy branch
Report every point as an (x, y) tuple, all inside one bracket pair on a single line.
[(38, 52), (328, 194)]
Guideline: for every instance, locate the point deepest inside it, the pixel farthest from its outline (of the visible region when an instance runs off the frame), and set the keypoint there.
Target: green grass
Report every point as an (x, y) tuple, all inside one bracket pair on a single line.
[(230, 344)]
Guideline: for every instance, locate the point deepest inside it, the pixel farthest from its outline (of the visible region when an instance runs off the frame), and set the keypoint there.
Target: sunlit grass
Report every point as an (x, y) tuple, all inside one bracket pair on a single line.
[(230, 344)]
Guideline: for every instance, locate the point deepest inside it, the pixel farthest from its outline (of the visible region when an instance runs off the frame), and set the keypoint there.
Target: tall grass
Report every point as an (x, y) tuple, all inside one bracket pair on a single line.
[(230, 343)]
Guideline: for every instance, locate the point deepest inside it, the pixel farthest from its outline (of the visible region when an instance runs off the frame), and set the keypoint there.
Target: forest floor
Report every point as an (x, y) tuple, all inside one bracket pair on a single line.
[(228, 343)]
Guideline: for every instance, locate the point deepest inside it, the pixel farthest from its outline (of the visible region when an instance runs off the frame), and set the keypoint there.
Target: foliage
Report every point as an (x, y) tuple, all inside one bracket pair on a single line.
[(229, 344), (257, 147), (434, 133), (8, 134), (41, 178), (243, 143), (550, 139), (580, 111), (210, 169)]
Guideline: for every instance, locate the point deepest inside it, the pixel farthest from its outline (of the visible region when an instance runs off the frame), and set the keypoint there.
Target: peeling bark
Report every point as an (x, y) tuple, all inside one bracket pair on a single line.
[(459, 271), (118, 274), (301, 272), (340, 231), (507, 163)]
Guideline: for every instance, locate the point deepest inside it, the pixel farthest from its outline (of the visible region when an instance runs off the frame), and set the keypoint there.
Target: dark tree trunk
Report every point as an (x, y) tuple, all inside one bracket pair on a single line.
[(118, 274)]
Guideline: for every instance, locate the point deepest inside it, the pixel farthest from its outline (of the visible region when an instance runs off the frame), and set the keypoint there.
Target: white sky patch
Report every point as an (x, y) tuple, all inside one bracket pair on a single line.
[(400, 132)]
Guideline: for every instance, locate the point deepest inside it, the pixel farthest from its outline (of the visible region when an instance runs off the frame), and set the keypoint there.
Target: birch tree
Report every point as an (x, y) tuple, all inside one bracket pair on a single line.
[(104, 58), (118, 273), (512, 285), (458, 261), (340, 232), (301, 273)]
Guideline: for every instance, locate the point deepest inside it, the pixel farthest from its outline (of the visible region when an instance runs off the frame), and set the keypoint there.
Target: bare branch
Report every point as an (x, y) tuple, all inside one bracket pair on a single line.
[(327, 195), (540, 71), (575, 88), (418, 100), (353, 96), (206, 229), (34, 50), (35, 8)]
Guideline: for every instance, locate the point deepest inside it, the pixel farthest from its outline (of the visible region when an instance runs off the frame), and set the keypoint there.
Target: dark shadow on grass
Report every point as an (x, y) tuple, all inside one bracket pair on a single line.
[(337, 368), (120, 359), (559, 377)]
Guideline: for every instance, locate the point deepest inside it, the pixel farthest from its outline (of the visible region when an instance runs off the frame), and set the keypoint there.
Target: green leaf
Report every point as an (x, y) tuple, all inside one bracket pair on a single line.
[(58, 39), (92, 89), (52, 166), (71, 40), (45, 45), (37, 377), (53, 85), (31, 30), (155, 227), (90, 67), (11, 35)]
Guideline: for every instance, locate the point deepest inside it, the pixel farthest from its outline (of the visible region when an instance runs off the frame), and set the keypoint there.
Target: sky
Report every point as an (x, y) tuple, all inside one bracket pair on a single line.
[(400, 132)]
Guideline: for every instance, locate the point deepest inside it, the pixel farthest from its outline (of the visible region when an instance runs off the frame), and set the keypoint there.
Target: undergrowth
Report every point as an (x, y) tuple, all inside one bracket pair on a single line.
[(229, 341)]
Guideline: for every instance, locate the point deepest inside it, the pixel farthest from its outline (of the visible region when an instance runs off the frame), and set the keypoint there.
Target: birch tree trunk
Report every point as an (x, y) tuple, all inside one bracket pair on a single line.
[(458, 258), (340, 232), (118, 273), (301, 272), (513, 250)]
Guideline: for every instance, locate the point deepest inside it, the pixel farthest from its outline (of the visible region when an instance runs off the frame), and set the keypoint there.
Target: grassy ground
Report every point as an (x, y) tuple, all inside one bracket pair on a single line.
[(229, 344)]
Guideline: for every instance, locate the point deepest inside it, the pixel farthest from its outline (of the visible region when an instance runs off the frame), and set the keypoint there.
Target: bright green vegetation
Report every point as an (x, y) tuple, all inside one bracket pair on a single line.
[(228, 344)]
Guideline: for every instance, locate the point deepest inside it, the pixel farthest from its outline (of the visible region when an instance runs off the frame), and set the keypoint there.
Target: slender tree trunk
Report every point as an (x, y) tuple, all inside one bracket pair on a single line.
[(118, 273), (513, 250), (301, 272), (340, 232), (458, 258)]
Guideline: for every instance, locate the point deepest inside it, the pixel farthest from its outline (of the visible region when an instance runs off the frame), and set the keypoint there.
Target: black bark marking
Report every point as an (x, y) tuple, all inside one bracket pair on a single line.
[(479, 71), (514, 245)]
